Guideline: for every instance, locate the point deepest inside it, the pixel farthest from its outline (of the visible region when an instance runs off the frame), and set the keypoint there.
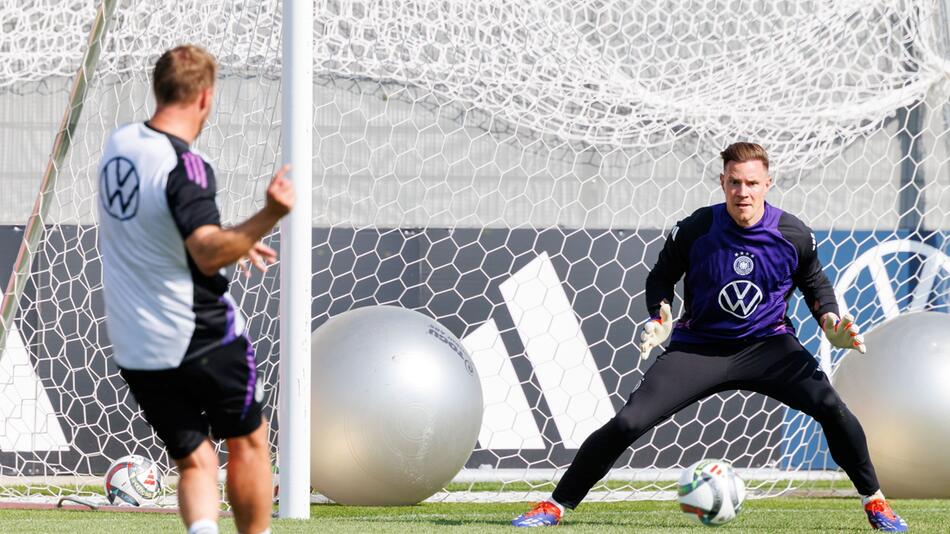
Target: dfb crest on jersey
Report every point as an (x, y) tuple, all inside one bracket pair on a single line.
[(740, 298), (119, 188), (743, 264)]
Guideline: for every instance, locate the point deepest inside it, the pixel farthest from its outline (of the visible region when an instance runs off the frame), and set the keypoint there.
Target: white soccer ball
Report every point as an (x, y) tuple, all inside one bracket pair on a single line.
[(711, 492), (133, 480)]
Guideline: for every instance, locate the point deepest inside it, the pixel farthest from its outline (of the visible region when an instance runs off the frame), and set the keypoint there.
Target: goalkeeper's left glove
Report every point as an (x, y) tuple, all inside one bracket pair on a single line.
[(656, 331), (843, 333)]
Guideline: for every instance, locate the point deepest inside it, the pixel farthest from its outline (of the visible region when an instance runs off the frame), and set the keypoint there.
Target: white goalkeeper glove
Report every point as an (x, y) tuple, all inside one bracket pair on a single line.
[(843, 333), (656, 331)]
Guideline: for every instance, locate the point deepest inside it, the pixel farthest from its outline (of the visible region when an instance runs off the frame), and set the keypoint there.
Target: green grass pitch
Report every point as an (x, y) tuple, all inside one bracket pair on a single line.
[(811, 515)]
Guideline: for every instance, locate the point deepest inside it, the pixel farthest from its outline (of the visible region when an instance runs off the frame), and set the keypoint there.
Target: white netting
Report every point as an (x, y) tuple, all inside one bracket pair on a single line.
[(508, 168), (801, 77)]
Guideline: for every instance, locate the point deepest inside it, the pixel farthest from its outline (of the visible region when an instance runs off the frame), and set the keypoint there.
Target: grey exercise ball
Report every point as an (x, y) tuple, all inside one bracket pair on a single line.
[(900, 391), (397, 406)]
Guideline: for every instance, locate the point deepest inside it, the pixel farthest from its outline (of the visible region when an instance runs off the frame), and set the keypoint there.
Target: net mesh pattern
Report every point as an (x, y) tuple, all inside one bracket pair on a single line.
[(509, 168)]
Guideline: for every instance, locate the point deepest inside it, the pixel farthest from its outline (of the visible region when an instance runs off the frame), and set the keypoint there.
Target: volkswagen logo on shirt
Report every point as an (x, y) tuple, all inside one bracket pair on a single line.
[(119, 188), (740, 298)]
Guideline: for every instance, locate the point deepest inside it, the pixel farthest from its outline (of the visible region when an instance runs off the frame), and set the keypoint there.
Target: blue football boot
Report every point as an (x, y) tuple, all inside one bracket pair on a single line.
[(545, 514), (883, 518)]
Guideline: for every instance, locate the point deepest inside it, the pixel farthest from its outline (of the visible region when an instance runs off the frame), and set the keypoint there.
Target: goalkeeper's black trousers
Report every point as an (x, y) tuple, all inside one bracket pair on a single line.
[(778, 367)]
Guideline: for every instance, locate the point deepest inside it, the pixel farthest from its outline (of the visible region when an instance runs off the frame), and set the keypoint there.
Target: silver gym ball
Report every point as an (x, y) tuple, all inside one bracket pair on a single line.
[(899, 391), (396, 407)]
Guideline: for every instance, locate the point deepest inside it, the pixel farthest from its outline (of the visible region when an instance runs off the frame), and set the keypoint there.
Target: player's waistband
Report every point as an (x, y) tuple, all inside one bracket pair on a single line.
[(721, 347)]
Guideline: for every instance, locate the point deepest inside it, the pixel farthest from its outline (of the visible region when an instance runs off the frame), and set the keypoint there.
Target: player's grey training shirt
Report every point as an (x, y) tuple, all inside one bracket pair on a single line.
[(154, 191)]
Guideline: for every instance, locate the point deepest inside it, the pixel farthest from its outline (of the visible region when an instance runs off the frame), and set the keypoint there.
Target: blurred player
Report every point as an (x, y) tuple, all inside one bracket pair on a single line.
[(177, 336), (741, 260)]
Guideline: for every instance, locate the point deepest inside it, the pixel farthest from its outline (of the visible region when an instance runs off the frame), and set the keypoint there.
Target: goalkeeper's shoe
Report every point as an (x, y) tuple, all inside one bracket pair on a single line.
[(545, 514), (883, 518)]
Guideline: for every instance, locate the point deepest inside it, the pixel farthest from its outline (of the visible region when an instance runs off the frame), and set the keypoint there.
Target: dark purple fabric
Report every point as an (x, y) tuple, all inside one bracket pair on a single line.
[(251, 378), (738, 279), (229, 332)]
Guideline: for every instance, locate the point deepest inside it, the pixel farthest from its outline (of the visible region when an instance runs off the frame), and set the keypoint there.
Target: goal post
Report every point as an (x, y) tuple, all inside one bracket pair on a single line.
[(296, 237), (33, 231), (509, 168)]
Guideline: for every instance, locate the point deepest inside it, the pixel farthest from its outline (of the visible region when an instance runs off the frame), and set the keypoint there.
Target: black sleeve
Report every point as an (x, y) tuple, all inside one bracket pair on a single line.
[(190, 192), (809, 276), (674, 258)]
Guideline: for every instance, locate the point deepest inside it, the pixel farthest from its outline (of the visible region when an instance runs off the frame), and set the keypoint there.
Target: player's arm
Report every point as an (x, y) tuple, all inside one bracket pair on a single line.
[(661, 281), (669, 267), (190, 193), (213, 247), (660, 284), (819, 294)]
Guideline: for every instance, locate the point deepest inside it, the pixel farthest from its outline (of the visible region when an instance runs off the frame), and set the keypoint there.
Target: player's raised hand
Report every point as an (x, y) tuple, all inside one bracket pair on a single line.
[(843, 333), (656, 331), (259, 256), (280, 193)]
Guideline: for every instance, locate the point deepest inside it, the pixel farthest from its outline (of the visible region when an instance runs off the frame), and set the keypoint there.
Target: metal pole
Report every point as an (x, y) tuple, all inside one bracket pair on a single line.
[(35, 226), (295, 271), (911, 201)]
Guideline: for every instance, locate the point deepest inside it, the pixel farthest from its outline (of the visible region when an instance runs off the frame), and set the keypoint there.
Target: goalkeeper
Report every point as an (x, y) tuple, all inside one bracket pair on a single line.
[(740, 262)]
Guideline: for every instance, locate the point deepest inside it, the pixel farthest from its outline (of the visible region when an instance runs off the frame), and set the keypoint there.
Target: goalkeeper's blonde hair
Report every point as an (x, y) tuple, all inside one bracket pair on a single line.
[(181, 74), (742, 152)]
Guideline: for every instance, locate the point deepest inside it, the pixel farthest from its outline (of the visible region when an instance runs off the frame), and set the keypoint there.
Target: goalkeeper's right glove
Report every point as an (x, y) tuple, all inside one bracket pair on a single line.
[(656, 331)]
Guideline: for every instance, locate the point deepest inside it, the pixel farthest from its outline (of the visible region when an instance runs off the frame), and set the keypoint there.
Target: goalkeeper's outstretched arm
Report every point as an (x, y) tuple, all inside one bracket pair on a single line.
[(809, 277), (659, 294), (819, 294), (669, 268)]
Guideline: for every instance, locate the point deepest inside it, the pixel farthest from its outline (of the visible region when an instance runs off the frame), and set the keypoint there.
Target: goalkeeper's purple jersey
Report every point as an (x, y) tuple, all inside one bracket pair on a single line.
[(737, 281)]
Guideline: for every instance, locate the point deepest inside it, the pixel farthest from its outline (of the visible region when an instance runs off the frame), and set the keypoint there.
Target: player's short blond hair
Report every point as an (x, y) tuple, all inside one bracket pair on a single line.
[(742, 152), (182, 73)]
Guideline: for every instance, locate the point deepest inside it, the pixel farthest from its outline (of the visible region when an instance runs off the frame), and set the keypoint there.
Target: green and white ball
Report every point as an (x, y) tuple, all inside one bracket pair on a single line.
[(711, 492)]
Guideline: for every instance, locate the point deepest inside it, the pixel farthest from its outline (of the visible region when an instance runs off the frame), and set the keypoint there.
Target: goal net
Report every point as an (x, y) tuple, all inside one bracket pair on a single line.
[(508, 167)]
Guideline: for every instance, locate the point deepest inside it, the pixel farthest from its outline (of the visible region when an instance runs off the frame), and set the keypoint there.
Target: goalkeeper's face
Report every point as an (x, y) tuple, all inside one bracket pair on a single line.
[(745, 185)]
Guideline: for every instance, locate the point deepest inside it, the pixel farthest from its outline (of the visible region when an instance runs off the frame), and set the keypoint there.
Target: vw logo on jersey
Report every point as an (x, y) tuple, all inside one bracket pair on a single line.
[(119, 188), (740, 298), (743, 264)]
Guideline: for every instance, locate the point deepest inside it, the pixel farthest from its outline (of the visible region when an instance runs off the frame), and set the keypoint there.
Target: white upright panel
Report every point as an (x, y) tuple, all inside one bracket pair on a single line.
[(507, 422), (556, 346), (28, 422), (295, 272)]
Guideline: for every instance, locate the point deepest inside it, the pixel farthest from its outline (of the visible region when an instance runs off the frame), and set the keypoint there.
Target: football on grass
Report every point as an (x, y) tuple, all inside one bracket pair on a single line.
[(133, 480), (711, 492)]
